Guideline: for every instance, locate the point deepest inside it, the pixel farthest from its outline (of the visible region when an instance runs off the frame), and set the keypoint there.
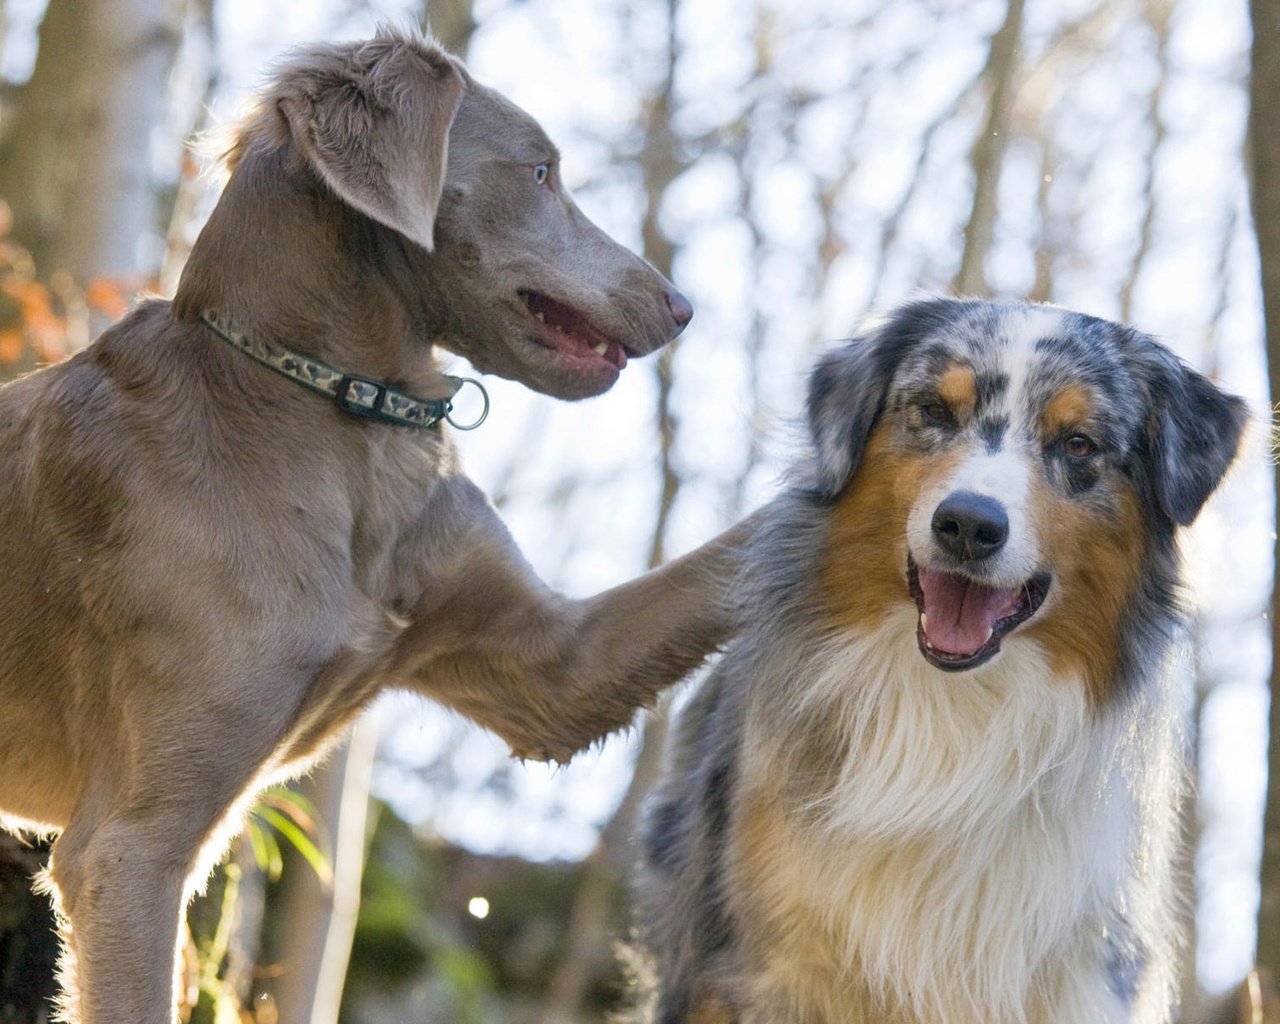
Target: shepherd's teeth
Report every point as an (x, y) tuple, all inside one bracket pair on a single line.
[(990, 634), (924, 622), (542, 319), (601, 349)]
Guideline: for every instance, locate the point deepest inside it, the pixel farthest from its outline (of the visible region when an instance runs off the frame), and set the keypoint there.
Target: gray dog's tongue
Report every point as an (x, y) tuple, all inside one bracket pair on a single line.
[(958, 614)]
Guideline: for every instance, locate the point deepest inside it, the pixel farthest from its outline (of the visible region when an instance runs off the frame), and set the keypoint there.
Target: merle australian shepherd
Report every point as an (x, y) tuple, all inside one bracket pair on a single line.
[(935, 780)]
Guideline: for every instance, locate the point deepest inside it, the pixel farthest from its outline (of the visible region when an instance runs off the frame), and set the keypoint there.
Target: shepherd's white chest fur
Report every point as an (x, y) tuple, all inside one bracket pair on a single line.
[(968, 859)]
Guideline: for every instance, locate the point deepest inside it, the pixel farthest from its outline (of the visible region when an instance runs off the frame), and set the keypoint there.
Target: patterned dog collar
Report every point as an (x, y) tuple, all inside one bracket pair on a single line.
[(355, 395)]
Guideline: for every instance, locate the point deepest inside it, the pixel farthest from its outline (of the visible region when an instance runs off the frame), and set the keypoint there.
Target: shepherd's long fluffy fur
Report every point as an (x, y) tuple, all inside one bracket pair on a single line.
[(863, 824)]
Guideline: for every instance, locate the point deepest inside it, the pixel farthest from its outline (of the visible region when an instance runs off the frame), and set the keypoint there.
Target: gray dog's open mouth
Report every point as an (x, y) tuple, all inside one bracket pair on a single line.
[(566, 331)]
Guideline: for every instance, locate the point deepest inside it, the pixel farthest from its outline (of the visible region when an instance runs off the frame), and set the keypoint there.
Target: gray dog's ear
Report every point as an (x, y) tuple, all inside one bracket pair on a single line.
[(1193, 435), (847, 390), (374, 124)]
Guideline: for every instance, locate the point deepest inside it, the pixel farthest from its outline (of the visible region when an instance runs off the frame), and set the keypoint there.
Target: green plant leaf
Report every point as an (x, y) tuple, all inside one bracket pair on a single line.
[(300, 841)]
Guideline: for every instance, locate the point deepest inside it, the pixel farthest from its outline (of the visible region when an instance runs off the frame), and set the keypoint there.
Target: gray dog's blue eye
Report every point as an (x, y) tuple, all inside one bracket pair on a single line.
[(540, 173)]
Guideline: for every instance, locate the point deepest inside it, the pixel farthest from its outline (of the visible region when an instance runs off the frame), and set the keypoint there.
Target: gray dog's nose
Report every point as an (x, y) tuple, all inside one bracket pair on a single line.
[(681, 308)]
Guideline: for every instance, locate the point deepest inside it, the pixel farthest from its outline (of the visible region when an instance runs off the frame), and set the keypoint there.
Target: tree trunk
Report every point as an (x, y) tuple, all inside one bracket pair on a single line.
[(988, 152), (76, 168), (319, 922), (1264, 137), (592, 919)]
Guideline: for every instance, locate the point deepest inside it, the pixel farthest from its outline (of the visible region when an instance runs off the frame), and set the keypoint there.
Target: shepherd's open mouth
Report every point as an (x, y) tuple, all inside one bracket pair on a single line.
[(963, 621), (567, 332)]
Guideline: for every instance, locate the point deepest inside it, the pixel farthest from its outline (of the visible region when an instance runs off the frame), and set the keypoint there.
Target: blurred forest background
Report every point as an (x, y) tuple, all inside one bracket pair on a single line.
[(792, 166)]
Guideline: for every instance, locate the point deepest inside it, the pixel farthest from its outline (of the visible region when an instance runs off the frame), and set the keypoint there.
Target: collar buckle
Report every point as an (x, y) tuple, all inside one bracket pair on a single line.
[(360, 396)]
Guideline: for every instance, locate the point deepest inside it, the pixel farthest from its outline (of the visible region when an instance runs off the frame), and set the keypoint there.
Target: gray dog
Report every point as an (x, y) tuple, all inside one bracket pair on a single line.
[(234, 519)]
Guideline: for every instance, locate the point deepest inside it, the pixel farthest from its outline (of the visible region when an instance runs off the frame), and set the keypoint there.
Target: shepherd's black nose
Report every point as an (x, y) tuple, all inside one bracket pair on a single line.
[(680, 307), (970, 526)]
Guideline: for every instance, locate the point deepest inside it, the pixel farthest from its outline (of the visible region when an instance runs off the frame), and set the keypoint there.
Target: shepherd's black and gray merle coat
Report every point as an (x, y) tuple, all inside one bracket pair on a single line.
[(935, 782)]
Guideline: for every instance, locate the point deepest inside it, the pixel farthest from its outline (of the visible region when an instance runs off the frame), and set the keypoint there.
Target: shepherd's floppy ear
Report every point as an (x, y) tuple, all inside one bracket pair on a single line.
[(373, 121), (848, 387), (1193, 436), (847, 391)]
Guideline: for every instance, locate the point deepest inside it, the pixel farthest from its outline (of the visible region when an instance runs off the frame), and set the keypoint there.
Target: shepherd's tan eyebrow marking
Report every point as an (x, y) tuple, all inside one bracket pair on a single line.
[(958, 388), (1070, 407)]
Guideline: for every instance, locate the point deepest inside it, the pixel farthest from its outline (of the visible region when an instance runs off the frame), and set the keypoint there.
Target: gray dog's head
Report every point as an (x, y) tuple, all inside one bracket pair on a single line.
[(536, 291), (464, 214)]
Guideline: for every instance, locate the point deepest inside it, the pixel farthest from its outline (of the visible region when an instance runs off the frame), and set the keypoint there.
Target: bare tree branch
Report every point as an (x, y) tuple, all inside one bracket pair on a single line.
[(1046, 249), (1158, 14), (987, 155), (453, 22), (893, 222), (191, 184)]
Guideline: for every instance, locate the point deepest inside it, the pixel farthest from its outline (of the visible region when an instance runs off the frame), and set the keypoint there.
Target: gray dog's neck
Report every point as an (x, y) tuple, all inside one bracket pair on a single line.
[(283, 258)]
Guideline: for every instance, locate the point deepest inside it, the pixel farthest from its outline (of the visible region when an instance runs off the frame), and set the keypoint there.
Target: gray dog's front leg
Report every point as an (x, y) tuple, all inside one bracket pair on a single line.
[(552, 675)]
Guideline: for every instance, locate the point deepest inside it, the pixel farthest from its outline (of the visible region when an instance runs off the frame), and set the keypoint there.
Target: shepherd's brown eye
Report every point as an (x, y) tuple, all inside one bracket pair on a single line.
[(1078, 446), (935, 412)]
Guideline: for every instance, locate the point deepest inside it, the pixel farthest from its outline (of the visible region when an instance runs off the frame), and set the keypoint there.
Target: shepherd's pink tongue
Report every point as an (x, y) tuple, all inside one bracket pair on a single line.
[(960, 614)]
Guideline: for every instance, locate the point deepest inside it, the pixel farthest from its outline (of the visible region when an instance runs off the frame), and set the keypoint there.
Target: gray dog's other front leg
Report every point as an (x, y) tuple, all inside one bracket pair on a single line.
[(164, 791), (552, 675), (120, 888)]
